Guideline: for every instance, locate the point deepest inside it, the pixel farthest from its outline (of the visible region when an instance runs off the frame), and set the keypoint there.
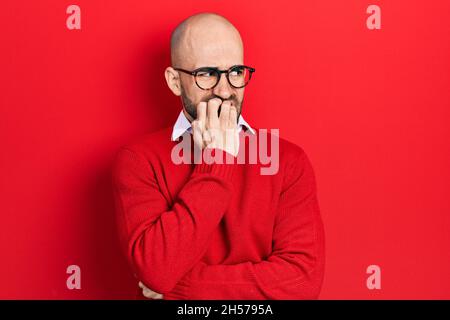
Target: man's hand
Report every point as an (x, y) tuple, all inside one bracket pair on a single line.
[(212, 131), (150, 293)]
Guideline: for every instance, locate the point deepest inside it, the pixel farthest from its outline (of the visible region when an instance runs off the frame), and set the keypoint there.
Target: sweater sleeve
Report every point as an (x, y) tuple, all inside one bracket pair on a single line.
[(294, 270), (163, 243)]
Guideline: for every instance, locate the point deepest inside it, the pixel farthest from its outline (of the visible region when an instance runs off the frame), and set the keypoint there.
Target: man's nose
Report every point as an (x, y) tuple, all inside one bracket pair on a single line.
[(223, 88)]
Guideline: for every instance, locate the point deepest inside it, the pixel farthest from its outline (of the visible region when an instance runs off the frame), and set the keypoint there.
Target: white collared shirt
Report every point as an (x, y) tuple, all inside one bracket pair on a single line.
[(182, 125)]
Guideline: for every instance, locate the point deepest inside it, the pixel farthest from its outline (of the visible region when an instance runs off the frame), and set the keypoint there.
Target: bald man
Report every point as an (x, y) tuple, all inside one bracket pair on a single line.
[(216, 229), (208, 40)]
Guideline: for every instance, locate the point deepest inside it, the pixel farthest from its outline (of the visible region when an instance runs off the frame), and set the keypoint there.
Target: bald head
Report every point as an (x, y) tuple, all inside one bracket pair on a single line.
[(205, 39)]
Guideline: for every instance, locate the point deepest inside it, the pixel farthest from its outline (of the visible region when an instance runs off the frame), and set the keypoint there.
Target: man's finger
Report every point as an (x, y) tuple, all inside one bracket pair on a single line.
[(233, 117), (151, 294), (207, 137), (201, 114), (225, 114), (197, 133), (148, 293), (211, 112)]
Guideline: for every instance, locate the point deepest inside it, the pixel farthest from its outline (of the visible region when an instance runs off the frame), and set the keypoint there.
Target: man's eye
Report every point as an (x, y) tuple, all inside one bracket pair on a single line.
[(237, 72), (204, 74)]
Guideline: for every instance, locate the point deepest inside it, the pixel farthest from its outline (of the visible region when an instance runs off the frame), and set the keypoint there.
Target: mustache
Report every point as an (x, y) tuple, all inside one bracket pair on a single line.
[(232, 99)]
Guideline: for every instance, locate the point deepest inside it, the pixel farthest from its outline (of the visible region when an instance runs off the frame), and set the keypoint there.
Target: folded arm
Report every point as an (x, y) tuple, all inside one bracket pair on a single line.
[(295, 268), (163, 243)]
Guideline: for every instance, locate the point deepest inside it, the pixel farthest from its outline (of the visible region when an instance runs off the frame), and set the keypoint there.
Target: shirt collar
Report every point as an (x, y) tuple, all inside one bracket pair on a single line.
[(182, 125)]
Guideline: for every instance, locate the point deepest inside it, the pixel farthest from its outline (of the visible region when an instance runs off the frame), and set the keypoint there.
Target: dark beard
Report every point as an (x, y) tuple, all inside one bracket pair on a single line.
[(191, 108)]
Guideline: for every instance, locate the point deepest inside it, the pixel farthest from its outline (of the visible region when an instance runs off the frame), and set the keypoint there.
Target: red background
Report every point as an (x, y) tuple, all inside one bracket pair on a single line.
[(370, 108)]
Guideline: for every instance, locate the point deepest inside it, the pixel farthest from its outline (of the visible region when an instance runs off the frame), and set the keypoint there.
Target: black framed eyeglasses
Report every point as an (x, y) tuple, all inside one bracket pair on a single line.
[(207, 78)]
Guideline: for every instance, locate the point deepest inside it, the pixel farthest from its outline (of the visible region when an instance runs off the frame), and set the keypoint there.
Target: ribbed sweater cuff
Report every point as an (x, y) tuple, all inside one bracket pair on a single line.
[(223, 170)]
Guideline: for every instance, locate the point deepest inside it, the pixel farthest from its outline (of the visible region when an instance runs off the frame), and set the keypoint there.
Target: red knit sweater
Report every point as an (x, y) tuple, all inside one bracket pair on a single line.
[(219, 231)]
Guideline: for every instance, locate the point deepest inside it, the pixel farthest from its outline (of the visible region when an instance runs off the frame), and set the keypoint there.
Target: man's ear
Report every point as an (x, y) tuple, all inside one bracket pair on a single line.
[(173, 80)]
